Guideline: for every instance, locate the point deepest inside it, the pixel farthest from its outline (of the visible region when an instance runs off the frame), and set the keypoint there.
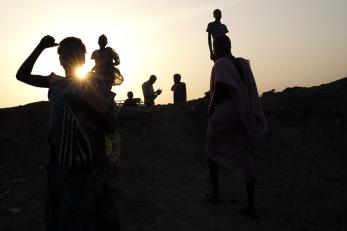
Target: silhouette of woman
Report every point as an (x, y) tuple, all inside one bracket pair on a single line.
[(236, 121), (78, 193), (106, 60)]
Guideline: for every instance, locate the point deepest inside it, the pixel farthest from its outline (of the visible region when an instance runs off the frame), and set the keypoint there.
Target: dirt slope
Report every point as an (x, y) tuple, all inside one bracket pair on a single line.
[(301, 166)]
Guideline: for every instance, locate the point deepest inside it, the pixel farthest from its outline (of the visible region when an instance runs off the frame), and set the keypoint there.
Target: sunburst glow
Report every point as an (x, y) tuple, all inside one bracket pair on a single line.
[(81, 72)]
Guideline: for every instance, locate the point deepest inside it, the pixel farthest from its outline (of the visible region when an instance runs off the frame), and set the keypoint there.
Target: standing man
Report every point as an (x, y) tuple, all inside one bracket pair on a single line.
[(149, 94), (79, 194), (215, 29), (179, 89), (106, 60)]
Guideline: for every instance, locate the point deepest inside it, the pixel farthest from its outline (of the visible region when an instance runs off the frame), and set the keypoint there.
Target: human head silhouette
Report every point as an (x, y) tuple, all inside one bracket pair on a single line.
[(130, 94), (71, 53), (152, 79), (217, 14), (102, 41), (177, 78), (222, 46)]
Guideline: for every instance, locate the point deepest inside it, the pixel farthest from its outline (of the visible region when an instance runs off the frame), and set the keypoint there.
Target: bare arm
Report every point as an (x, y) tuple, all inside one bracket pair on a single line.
[(115, 57), (210, 42), (146, 92), (185, 93), (24, 72), (173, 87), (219, 93)]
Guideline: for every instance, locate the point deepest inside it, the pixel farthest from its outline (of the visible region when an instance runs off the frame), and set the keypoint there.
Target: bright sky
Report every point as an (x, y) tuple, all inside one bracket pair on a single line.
[(289, 43)]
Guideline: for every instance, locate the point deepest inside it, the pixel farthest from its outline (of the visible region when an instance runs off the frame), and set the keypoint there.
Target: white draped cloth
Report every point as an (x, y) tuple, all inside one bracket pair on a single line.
[(238, 122)]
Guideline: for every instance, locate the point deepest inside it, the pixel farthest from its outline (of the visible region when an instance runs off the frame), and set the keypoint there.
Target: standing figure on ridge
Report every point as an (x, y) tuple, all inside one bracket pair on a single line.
[(236, 121), (106, 60), (79, 193), (148, 92), (215, 29), (131, 101), (179, 90)]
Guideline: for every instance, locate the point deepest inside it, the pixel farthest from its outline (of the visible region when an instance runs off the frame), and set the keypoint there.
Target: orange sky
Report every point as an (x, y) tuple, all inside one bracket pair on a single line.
[(289, 43)]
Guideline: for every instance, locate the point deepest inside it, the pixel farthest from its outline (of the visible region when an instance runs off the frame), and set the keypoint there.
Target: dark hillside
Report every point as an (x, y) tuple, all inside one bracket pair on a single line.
[(301, 166)]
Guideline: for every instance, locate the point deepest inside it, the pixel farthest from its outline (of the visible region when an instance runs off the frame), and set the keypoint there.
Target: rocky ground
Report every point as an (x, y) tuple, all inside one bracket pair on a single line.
[(301, 166)]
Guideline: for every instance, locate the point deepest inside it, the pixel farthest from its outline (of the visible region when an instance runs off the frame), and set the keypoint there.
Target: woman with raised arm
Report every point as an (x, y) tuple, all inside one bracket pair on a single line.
[(78, 194), (236, 121)]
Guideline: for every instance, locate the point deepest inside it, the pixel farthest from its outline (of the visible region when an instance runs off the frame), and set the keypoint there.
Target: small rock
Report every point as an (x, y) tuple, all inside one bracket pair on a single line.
[(268, 93), (337, 122), (234, 202), (14, 211)]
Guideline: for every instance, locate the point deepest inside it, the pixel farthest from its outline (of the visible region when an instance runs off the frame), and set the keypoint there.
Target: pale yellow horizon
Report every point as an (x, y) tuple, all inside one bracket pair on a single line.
[(289, 43)]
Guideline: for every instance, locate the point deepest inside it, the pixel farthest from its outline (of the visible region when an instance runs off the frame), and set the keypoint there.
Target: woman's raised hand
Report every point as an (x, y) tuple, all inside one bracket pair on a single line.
[(47, 42)]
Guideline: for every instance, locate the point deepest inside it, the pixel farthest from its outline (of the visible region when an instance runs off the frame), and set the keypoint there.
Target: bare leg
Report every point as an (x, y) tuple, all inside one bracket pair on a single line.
[(250, 209), (214, 195), (213, 169), (250, 185)]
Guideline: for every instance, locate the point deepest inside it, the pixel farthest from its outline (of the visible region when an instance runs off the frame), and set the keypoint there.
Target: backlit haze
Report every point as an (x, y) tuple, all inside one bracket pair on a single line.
[(289, 43)]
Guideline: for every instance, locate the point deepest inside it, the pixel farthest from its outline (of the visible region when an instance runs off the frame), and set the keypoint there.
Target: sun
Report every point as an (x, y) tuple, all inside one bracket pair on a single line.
[(81, 72)]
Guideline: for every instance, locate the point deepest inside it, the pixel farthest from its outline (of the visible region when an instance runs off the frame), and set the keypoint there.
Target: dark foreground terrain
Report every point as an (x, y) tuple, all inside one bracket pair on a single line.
[(301, 166)]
